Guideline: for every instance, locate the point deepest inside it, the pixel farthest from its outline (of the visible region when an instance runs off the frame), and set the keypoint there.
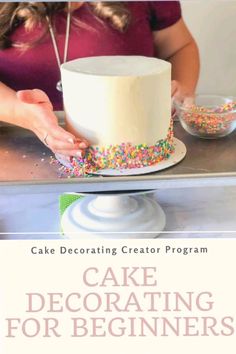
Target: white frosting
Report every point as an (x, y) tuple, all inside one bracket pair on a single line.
[(117, 99)]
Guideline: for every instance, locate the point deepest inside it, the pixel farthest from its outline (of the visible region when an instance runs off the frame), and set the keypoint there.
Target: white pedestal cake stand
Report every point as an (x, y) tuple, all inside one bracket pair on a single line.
[(119, 215), (128, 215)]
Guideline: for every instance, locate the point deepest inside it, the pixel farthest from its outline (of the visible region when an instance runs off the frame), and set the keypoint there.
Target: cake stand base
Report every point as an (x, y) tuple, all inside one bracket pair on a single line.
[(116, 216)]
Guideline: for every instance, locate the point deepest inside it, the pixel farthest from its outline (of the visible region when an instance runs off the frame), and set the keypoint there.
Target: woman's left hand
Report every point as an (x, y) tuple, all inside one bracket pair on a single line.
[(178, 91), (180, 94)]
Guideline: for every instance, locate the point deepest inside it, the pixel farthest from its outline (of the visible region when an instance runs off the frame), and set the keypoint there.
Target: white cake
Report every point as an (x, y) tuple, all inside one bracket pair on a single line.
[(115, 100)]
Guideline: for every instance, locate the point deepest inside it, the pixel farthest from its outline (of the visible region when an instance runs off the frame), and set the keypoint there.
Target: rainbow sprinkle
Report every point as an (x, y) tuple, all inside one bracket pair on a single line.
[(124, 156), (206, 122)]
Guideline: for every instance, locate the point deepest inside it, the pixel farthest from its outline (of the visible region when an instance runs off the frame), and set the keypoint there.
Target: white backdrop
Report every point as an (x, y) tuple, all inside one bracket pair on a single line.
[(213, 24)]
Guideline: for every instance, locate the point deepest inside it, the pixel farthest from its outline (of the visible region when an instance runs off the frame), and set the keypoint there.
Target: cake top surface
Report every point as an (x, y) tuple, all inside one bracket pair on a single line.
[(117, 66)]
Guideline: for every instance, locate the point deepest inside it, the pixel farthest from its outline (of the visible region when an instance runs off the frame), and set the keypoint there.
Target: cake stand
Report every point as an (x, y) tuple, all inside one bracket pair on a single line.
[(117, 215), (129, 215)]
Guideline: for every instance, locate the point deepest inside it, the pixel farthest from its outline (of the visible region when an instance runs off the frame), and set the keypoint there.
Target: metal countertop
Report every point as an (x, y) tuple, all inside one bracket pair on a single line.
[(25, 167)]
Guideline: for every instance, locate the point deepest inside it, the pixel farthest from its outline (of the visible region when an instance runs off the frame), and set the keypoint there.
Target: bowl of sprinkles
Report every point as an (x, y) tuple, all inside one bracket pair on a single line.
[(207, 116)]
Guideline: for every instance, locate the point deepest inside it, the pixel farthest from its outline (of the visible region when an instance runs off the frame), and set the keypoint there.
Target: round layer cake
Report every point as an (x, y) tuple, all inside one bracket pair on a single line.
[(122, 106)]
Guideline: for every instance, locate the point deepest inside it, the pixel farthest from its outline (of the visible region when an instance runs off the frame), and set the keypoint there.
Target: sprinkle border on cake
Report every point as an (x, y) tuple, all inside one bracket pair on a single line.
[(119, 157)]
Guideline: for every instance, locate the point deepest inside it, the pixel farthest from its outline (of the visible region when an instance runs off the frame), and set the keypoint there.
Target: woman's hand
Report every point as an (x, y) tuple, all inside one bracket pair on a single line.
[(181, 95), (43, 122), (178, 92)]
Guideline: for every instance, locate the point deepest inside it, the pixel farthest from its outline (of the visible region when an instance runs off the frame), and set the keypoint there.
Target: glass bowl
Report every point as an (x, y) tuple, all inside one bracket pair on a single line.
[(207, 116)]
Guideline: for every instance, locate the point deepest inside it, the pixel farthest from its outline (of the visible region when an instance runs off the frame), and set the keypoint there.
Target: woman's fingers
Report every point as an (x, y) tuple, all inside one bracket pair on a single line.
[(57, 137), (64, 136), (179, 92), (48, 121), (62, 142), (57, 145), (71, 153), (174, 88), (189, 101), (58, 133), (63, 148)]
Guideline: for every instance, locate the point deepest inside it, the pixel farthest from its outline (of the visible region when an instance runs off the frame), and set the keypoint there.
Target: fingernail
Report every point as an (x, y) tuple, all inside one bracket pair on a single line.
[(71, 140), (79, 154), (83, 145)]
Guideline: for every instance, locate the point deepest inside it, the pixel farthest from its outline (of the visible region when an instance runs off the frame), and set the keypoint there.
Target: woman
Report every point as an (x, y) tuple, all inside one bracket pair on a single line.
[(35, 36)]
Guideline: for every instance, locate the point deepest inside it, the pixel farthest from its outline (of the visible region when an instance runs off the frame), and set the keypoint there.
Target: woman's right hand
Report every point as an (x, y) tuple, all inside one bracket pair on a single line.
[(43, 122)]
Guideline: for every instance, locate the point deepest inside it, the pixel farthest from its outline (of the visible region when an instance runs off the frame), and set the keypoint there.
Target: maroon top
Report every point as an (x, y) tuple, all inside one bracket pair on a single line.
[(37, 67)]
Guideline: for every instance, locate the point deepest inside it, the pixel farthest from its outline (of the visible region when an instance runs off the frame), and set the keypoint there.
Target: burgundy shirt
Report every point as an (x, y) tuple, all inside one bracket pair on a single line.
[(37, 67)]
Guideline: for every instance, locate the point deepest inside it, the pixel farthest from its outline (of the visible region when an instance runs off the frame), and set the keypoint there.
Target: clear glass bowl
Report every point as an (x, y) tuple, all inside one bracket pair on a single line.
[(207, 116)]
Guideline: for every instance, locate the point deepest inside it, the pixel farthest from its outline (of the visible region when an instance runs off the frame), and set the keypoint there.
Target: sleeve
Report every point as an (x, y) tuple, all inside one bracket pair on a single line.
[(164, 14)]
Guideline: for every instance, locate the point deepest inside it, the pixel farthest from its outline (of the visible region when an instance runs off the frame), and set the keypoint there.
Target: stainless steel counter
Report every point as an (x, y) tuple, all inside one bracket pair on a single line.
[(25, 167)]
